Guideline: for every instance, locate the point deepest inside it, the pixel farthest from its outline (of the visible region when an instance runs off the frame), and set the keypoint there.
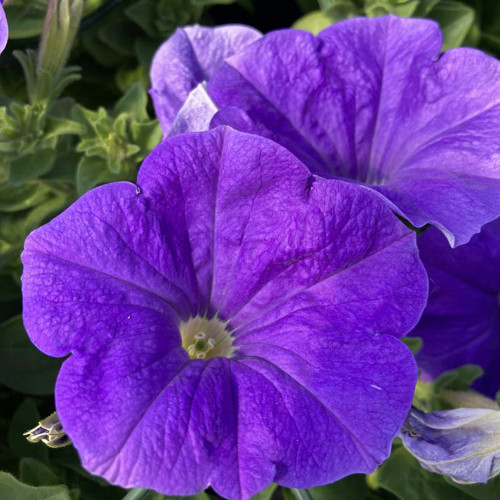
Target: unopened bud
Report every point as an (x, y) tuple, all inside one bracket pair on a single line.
[(59, 31), (50, 432), (463, 444)]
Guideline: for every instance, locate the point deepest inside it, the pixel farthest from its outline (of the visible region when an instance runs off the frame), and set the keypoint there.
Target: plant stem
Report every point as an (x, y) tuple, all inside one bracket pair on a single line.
[(136, 494), (300, 494)]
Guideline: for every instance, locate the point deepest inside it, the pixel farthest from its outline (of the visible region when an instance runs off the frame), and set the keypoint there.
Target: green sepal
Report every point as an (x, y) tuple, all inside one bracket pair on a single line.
[(455, 20), (413, 343)]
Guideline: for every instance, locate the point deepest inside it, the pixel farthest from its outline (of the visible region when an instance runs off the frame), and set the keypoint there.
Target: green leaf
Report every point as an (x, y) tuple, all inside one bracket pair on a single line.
[(266, 494), (489, 491), (134, 103), (146, 135), (31, 166), (60, 126), (12, 489), (36, 473), (413, 343), (314, 22), (91, 172), (22, 366), (455, 19), (25, 18), (45, 211), (459, 379), (9, 290), (424, 7), (143, 13), (14, 199), (401, 8), (354, 487), (26, 417), (403, 476), (318, 20), (139, 494)]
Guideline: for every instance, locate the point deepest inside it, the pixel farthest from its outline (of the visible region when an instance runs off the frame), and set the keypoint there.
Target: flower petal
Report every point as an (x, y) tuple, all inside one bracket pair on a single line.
[(228, 223), (267, 237), (91, 273), (141, 416), (144, 415), (4, 29), (370, 99), (463, 444), (195, 114), (461, 323), (337, 401), (189, 57)]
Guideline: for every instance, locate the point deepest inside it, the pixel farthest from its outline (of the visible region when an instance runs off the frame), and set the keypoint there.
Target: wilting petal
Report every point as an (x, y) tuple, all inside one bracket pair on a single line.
[(188, 58), (463, 444), (4, 29), (195, 114), (372, 100), (461, 323)]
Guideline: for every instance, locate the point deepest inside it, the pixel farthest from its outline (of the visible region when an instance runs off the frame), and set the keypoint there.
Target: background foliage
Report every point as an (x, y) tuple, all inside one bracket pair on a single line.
[(59, 138)]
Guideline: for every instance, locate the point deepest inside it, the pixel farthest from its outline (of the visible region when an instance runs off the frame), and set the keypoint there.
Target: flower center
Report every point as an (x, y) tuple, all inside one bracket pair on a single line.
[(204, 338)]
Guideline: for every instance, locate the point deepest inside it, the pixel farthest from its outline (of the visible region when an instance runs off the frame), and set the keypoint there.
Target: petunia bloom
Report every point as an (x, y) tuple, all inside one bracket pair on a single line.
[(4, 28), (189, 57), (461, 323), (232, 320), (195, 114), (463, 444), (373, 100)]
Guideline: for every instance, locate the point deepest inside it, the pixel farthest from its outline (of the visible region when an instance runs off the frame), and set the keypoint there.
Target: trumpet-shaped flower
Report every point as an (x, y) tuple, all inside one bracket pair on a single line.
[(461, 323), (463, 444), (4, 28), (232, 320), (189, 57), (373, 100)]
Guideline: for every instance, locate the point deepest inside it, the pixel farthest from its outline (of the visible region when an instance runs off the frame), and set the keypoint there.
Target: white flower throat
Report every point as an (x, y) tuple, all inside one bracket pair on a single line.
[(204, 338)]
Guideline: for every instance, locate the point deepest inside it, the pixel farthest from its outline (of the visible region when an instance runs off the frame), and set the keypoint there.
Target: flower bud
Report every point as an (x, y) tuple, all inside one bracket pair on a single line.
[(59, 32), (49, 431), (463, 444)]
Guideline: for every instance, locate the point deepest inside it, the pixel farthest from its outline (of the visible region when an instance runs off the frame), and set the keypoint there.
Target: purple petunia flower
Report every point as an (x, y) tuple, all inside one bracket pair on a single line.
[(189, 57), (4, 28), (461, 323), (232, 320), (463, 444), (374, 101)]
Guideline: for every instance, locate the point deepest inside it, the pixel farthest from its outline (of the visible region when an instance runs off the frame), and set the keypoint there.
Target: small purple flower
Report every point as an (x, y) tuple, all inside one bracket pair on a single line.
[(461, 323), (189, 57), (374, 100), (463, 444), (4, 28), (232, 320)]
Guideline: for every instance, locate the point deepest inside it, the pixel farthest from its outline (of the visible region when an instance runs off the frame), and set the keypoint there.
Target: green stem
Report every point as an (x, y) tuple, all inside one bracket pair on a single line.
[(135, 494), (300, 494)]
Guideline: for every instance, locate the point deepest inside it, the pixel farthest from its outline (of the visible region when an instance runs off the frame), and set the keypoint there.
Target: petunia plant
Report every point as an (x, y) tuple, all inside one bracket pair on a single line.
[(372, 100), (235, 314), (272, 278)]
